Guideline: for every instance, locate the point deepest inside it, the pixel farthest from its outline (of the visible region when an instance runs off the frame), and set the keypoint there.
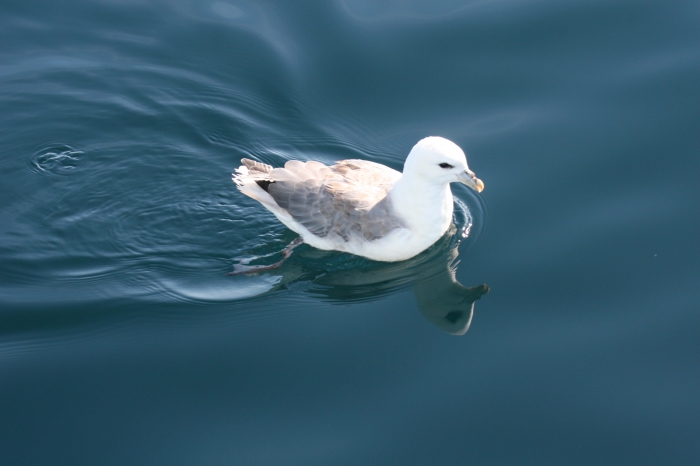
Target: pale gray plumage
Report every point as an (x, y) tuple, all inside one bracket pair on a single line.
[(346, 199)]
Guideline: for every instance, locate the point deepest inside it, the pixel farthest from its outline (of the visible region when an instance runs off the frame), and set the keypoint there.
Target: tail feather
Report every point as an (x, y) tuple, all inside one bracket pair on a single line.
[(255, 167), (251, 171)]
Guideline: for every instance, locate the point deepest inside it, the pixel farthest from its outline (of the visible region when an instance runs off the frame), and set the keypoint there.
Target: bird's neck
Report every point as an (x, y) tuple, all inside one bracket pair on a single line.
[(425, 206)]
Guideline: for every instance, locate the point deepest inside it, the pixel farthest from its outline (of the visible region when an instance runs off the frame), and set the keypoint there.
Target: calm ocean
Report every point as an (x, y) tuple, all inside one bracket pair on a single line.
[(124, 342)]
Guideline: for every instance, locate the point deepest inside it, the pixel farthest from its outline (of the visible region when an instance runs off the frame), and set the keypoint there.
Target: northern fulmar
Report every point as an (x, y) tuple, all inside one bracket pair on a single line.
[(363, 207)]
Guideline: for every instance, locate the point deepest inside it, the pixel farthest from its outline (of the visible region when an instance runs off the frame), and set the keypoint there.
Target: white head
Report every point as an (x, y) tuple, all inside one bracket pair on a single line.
[(440, 161)]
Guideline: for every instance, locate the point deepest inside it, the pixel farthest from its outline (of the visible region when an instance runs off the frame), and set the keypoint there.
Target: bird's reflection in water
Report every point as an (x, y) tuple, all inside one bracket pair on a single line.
[(344, 278), (445, 302)]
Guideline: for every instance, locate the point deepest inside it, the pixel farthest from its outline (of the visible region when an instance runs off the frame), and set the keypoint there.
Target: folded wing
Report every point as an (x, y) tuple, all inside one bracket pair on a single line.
[(347, 199)]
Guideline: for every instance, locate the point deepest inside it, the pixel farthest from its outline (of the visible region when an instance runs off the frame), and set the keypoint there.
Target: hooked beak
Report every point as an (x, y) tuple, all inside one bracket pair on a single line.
[(470, 179)]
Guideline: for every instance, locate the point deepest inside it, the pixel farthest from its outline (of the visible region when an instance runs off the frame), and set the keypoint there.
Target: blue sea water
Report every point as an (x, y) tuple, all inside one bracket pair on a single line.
[(124, 341)]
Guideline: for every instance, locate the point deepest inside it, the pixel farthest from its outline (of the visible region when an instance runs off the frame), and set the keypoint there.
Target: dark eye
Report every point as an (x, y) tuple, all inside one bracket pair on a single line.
[(445, 165)]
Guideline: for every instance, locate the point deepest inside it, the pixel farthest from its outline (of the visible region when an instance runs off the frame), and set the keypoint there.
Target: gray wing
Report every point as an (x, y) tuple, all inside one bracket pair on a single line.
[(347, 199)]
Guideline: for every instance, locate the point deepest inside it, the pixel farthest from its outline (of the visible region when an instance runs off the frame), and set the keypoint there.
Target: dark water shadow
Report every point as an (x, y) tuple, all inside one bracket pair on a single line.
[(342, 278)]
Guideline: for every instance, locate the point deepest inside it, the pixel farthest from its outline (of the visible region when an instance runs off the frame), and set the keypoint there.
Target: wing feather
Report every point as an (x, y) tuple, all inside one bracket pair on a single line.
[(347, 199)]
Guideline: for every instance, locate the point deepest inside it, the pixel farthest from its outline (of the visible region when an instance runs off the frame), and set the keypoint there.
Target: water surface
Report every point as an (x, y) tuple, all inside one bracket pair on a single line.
[(123, 341)]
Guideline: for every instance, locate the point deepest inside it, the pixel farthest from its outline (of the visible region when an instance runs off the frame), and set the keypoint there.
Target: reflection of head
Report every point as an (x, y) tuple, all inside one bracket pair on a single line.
[(444, 301), (448, 305)]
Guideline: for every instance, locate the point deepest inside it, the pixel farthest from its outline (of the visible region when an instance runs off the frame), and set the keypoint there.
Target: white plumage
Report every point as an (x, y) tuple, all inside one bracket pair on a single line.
[(363, 207)]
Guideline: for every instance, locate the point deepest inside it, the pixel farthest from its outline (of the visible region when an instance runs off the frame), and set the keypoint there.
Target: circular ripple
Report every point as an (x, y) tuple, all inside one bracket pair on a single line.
[(58, 159)]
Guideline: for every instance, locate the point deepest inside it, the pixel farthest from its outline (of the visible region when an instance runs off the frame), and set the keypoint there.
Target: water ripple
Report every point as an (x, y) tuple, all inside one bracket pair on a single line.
[(58, 159)]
